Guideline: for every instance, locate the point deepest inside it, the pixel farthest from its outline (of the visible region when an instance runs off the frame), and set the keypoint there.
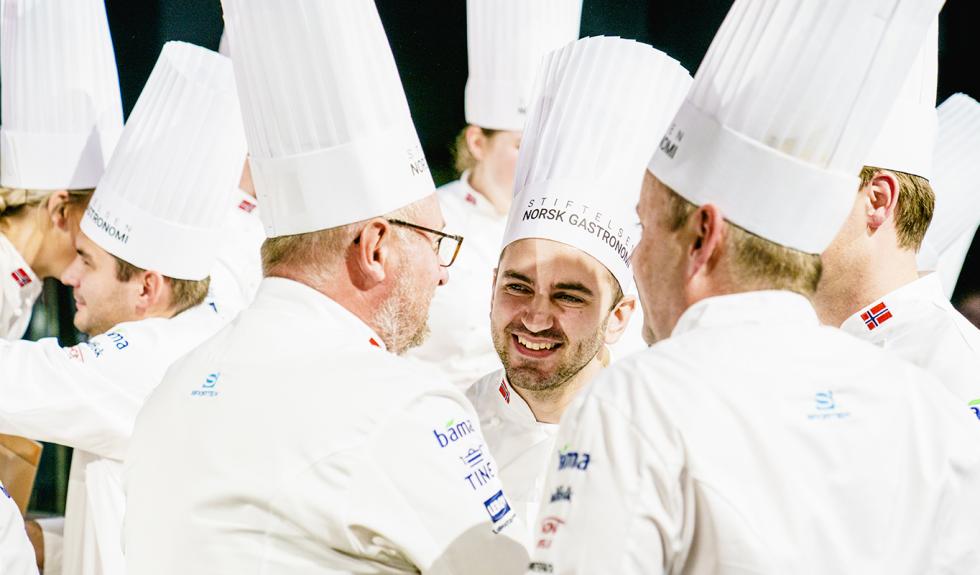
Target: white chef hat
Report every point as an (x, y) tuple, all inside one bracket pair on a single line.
[(506, 40), (784, 109), (956, 183), (330, 136), (906, 141), (62, 112), (601, 106), (164, 196)]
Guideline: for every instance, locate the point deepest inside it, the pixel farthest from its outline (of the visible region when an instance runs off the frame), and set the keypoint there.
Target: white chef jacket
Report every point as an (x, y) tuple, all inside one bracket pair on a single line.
[(459, 344), (521, 445), (237, 272), (754, 440), (16, 552), (19, 289), (917, 323), (303, 447)]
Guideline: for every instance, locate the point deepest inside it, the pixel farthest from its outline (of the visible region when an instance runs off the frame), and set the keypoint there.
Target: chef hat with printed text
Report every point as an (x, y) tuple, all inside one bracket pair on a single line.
[(331, 140), (956, 182), (785, 108), (62, 112), (506, 40), (906, 142), (601, 106), (164, 196)]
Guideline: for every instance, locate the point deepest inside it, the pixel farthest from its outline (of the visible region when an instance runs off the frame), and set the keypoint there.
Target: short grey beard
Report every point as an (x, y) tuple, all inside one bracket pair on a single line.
[(395, 326)]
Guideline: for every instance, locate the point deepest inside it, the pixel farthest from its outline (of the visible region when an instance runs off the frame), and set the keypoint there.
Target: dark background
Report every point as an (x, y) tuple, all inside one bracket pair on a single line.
[(428, 39)]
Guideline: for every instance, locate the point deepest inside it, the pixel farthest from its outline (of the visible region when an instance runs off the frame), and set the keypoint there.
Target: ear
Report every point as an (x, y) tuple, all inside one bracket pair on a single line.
[(476, 142), (155, 292), (57, 208), (881, 198), (369, 258), (619, 318), (705, 232)]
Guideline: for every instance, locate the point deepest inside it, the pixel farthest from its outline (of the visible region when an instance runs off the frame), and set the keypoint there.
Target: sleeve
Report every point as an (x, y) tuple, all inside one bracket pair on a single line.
[(53, 529), (430, 488), (86, 396), (613, 502)]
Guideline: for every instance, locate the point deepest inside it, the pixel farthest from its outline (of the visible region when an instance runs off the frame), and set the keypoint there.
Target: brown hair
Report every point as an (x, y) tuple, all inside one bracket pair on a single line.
[(462, 158), (916, 203), (756, 262), (185, 294)]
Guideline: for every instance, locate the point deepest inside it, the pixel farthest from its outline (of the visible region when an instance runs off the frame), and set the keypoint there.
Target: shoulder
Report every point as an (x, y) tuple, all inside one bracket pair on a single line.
[(484, 387)]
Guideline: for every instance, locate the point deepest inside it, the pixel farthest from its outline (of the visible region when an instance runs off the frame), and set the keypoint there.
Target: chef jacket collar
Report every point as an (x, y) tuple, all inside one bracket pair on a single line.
[(21, 286), (477, 200), (897, 308), (775, 307), (291, 296), (509, 405)]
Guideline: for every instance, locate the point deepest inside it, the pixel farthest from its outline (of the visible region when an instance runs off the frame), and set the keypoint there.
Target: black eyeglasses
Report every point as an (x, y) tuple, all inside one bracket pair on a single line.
[(447, 251)]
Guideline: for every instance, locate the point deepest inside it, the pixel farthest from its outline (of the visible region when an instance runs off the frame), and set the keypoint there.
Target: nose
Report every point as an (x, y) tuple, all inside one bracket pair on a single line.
[(71, 276), (538, 317), (443, 276)]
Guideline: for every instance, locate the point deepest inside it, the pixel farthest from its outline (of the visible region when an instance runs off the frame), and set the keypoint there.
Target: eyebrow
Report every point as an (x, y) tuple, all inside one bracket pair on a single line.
[(573, 286), (518, 276)]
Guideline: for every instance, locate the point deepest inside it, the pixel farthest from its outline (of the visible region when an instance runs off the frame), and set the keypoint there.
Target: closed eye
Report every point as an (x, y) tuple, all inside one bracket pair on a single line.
[(518, 288)]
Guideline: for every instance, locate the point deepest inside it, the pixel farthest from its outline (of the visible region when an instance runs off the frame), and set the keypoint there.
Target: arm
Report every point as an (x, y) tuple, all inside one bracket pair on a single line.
[(613, 502), (85, 396)]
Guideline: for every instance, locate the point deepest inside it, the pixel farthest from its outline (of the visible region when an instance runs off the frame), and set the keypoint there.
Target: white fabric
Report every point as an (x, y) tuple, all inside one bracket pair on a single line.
[(163, 198), (601, 105), (907, 141), (53, 532), (522, 446), (303, 447), (754, 440), (16, 551), (459, 345), (330, 137), (923, 328), (505, 42), (238, 271), (19, 289), (87, 397), (784, 109), (62, 112), (956, 183)]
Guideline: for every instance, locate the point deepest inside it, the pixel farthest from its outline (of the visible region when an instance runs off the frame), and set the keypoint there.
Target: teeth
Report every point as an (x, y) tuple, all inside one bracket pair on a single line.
[(534, 346)]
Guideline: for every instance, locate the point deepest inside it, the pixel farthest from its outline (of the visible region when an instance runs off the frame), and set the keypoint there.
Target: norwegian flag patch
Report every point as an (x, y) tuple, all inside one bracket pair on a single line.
[(876, 316), (470, 199), (21, 277), (374, 342), (246, 206), (504, 392)]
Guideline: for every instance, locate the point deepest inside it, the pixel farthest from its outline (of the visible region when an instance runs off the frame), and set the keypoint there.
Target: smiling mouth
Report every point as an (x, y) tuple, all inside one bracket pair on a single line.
[(534, 349)]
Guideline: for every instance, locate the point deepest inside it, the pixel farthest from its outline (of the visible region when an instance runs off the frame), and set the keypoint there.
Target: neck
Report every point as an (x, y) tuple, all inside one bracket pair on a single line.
[(498, 196), (844, 292), (27, 240), (548, 405)]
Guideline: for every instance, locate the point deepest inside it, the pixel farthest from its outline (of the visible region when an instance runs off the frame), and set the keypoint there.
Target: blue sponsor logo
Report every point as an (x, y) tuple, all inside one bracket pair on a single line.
[(453, 432), (497, 506), (561, 494), (95, 346), (117, 339), (825, 400), (573, 460), (975, 407), (826, 407), (207, 388)]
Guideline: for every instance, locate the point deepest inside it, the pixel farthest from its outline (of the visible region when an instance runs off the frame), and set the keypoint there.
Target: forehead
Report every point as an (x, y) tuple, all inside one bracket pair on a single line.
[(429, 213), (548, 262), (85, 244)]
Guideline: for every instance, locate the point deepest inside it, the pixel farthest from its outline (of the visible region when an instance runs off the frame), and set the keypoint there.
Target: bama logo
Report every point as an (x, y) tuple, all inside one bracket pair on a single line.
[(453, 432), (975, 407), (573, 459), (117, 339)]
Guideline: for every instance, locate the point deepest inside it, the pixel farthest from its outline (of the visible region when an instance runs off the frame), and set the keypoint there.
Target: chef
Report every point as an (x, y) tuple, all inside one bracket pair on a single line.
[(558, 295), (871, 285), (506, 40), (306, 444), (62, 116), (148, 240), (750, 438)]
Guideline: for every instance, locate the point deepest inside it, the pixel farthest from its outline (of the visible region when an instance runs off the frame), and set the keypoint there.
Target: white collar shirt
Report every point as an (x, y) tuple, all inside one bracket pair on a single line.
[(19, 289)]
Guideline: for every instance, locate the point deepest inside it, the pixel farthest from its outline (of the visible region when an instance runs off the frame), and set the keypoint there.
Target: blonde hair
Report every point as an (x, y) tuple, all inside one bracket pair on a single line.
[(916, 203), (756, 262), (15, 200)]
